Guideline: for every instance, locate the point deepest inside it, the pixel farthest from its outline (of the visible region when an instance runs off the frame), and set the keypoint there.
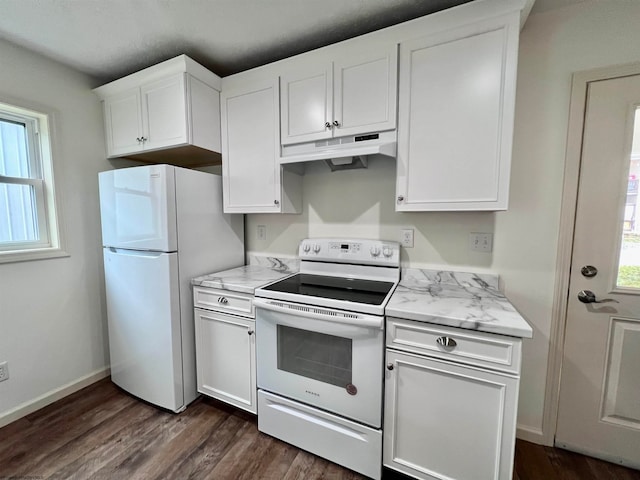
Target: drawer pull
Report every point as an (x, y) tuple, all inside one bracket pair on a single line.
[(223, 300), (446, 342)]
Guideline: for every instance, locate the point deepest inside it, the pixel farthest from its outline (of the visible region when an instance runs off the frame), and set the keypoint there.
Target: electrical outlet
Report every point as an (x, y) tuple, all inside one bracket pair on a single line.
[(4, 371), (262, 232), (406, 238), (480, 242)]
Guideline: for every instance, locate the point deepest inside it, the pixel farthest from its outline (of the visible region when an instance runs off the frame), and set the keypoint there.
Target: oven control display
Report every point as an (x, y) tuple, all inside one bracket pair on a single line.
[(344, 247)]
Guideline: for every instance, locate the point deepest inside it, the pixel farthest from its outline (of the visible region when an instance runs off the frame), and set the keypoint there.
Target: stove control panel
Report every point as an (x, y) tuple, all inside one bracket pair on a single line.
[(357, 251)]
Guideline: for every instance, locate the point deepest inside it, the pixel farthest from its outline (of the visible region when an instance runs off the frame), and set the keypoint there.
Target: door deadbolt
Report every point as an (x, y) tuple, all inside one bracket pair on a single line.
[(589, 271)]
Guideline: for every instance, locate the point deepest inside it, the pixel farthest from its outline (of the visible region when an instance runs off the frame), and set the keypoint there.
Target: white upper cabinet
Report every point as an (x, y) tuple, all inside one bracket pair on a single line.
[(253, 180), (307, 108), (173, 105), (123, 123), (455, 120), (164, 114), (348, 96)]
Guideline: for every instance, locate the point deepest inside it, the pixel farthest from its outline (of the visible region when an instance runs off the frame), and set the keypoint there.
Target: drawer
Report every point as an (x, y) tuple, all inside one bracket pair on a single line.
[(487, 350), (224, 301)]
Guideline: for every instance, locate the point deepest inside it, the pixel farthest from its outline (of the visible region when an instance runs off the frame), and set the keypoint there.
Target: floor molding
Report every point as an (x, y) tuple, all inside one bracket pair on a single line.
[(51, 396), (531, 434)]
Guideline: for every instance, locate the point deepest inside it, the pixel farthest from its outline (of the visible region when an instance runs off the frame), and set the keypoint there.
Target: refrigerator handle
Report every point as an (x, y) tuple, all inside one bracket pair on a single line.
[(135, 253)]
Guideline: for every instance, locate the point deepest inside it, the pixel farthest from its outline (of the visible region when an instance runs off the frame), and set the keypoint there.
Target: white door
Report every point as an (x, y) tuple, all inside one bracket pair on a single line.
[(455, 117), (306, 105), (365, 90), (164, 113), (226, 358), (250, 144), (123, 123), (138, 208), (599, 409), (447, 421), (143, 310)]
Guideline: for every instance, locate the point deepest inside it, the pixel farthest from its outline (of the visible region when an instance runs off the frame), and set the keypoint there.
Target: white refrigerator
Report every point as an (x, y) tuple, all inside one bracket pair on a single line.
[(161, 226)]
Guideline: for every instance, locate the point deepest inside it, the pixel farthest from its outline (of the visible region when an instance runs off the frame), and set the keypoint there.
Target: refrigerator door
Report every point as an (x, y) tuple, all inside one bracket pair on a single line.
[(138, 208), (143, 307)]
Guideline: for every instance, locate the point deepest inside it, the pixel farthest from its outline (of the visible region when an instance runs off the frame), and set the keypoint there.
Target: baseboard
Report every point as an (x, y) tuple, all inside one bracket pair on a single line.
[(52, 396), (530, 434)]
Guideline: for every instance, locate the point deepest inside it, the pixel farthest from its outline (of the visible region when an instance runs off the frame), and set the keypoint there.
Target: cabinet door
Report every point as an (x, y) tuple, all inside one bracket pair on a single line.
[(442, 420), (455, 120), (306, 105), (123, 123), (365, 91), (226, 358), (164, 113), (250, 142)]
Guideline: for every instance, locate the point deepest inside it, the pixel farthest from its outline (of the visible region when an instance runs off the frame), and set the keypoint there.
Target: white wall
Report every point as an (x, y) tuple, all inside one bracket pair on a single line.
[(52, 312), (359, 203)]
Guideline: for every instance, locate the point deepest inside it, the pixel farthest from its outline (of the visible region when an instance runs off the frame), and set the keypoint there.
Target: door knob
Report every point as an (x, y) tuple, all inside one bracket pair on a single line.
[(587, 296)]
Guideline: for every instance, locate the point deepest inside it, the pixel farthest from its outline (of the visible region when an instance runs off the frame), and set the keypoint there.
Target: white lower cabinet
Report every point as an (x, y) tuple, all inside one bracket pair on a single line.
[(226, 358), (448, 420)]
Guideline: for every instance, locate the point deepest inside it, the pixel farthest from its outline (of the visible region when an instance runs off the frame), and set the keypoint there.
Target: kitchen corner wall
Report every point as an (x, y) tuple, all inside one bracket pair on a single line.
[(360, 203), (52, 312)]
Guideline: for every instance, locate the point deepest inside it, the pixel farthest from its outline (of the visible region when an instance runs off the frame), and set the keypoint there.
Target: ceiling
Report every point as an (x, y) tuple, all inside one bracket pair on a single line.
[(108, 39)]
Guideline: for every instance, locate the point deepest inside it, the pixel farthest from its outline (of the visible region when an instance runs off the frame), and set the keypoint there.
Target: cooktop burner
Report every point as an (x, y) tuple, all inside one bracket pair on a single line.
[(371, 292)]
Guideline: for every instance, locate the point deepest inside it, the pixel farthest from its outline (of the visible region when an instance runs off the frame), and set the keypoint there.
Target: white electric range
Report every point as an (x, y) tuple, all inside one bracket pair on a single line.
[(320, 350)]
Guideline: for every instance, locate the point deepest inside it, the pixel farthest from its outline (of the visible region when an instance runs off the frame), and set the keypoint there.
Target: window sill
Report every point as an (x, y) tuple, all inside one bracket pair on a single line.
[(31, 254)]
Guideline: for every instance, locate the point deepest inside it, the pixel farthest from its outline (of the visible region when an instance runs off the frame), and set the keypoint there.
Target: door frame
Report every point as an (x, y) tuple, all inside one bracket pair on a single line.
[(573, 159)]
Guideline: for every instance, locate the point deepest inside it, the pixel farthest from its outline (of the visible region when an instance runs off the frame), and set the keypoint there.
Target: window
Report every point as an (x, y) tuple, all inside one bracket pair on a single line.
[(28, 220)]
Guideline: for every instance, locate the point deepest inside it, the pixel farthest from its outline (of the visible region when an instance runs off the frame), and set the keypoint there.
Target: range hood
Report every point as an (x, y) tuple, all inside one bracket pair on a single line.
[(338, 151)]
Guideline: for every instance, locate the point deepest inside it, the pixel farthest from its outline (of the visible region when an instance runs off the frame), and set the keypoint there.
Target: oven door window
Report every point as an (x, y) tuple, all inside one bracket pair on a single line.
[(322, 357)]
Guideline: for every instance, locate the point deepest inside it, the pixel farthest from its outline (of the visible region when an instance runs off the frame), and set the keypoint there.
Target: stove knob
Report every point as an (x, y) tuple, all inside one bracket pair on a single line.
[(316, 248), (375, 251), (386, 251), (306, 247)]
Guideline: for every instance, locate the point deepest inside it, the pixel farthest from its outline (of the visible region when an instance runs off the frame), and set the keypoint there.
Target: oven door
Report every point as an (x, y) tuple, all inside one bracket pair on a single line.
[(327, 358)]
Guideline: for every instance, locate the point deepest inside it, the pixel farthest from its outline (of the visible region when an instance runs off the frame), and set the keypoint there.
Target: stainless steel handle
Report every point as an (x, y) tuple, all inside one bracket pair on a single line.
[(389, 366), (223, 300), (250, 332), (328, 125), (587, 296), (400, 198), (447, 342), (336, 123)]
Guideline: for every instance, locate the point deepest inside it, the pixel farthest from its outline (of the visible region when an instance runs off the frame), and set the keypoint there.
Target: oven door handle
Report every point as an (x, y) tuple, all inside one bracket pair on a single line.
[(318, 313)]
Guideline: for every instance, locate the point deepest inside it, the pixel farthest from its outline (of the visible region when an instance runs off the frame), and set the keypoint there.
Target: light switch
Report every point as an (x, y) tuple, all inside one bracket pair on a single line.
[(480, 242)]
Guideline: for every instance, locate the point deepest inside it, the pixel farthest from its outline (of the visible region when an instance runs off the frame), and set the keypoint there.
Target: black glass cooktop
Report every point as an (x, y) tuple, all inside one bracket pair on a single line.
[(371, 292)]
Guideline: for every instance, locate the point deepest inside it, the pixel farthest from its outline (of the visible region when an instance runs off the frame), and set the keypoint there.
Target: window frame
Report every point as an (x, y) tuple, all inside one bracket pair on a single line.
[(38, 126)]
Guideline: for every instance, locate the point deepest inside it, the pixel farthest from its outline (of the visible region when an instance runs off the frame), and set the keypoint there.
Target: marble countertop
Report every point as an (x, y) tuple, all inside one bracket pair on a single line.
[(246, 279), (456, 299)]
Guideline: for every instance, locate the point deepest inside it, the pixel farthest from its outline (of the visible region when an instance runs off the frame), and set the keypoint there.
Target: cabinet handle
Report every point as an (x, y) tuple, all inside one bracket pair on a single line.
[(389, 366), (328, 125), (250, 332), (144, 139), (223, 300), (400, 198), (336, 123), (138, 139), (447, 342), (276, 202)]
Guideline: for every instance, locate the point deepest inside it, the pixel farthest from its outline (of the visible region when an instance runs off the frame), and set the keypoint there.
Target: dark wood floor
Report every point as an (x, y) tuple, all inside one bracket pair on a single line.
[(103, 433)]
